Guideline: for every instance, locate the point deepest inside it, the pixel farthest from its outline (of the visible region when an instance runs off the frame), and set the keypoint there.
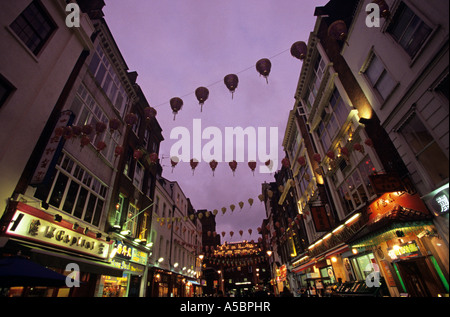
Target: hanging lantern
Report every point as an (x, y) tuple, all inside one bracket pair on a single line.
[(299, 50), (213, 164), (261, 197), (174, 161), (100, 146), (87, 129), (241, 232), (250, 201), (338, 30), (68, 133), (317, 157), (202, 93), (150, 112), (85, 140), (232, 207), (241, 204), (252, 165), (331, 155), (269, 164), (137, 154), (215, 211), (302, 160), (176, 104), (100, 127), (233, 166), (231, 233), (369, 142), (131, 119), (277, 224), (384, 8), (231, 81), (263, 67), (114, 125), (358, 147), (59, 131), (76, 130), (285, 162), (153, 158), (118, 151), (193, 164), (224, 210)]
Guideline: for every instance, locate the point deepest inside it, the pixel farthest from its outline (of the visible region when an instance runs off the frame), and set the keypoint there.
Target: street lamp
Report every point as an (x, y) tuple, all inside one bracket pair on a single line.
[(269, 252)]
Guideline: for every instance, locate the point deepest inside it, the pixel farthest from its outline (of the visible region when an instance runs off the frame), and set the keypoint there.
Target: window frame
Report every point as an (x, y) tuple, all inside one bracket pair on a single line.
[(43, 39)]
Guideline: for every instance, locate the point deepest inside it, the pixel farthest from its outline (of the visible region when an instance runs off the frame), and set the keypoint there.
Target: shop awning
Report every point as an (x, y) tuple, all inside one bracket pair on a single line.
[(19, 271), (61, 260)]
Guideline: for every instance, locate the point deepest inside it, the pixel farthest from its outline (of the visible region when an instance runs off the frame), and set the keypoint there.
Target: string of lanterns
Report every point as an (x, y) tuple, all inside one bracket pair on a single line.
[(231, 81), (213, 164)]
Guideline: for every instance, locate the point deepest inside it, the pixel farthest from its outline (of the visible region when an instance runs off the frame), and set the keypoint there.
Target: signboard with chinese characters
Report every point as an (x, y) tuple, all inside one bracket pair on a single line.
[(53, 148), (320, 218), (438, 200), (36, 226)]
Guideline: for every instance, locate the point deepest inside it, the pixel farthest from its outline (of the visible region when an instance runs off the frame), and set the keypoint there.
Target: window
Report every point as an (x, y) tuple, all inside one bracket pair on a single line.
[(314, 85), (77, 192), (441, 88), (356, 189), (34, 26), (87, 111), (131, 221), (426, 150), (106, 76), (6, 88), (409, 30), (138, 175), (379, 78)]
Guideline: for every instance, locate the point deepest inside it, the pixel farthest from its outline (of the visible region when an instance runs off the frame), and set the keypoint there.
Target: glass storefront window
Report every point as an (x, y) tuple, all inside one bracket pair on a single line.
[(363, 266), (114, 286)]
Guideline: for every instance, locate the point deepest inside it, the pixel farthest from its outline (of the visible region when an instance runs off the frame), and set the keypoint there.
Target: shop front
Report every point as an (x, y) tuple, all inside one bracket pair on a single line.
[(58, 244), (403, 242), (132, 261)]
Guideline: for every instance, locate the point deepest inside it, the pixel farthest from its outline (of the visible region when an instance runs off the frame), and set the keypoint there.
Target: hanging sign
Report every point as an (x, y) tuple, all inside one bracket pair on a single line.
[(52, 150), (320, 218)]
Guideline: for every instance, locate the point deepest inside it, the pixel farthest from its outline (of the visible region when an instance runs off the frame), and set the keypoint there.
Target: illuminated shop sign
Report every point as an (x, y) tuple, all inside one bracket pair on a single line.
[(130, 253), (34, 228), (404, 251), (438, 200)]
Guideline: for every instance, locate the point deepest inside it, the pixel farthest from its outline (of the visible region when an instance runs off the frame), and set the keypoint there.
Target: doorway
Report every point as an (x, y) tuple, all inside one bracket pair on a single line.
[(418, 279)]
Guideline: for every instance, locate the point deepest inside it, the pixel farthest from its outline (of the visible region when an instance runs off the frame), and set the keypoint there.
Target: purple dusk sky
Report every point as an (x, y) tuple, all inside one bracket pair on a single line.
[(177, 46)]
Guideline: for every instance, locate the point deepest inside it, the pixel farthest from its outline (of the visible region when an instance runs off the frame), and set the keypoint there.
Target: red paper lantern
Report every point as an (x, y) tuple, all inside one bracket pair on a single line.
[(252, 166), (299, 50), (101, 146), (331, 154), (137, 154), (76, 130), (85, 141), (153, 158), (233, 166), (100, 127), (193, 164), (131, 119), (338, 30), (202, 94), (263, 67), (68, 133), (174, 161), (285, 162), (87, 129), (369, 142), (114, 124), (231, 81), (118, 150), (213, 164), (176, 104), (150, 113), (301, 160), (317, 157)]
